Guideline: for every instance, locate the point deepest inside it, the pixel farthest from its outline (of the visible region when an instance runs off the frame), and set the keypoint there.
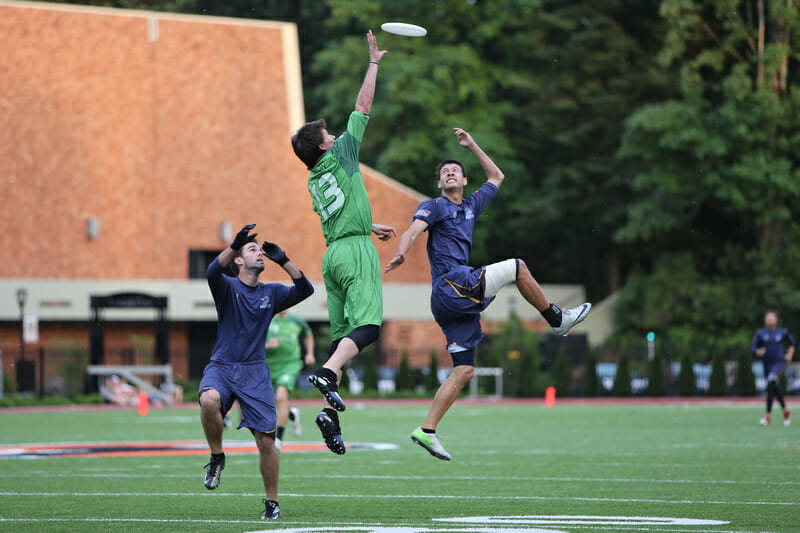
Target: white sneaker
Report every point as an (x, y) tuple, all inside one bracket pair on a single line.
[(294, 421), (278, 444), (430, 441), (764, 421), (572, 317)]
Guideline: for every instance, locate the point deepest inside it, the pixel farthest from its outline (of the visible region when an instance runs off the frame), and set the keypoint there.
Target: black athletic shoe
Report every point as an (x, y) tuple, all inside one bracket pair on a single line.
[(213, 471), (331, 432), (271, 510), (328, 387)]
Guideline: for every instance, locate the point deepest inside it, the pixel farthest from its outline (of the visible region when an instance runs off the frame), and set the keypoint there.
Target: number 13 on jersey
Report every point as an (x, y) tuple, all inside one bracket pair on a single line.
[(332, 198)]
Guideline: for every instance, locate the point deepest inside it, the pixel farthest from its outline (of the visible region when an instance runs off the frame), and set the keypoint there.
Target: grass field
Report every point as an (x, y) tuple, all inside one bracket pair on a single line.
[(641, 464)]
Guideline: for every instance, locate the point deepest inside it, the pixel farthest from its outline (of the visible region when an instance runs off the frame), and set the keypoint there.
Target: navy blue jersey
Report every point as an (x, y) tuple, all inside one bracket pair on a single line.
[(774, 342), (244, 313), (450, 228)]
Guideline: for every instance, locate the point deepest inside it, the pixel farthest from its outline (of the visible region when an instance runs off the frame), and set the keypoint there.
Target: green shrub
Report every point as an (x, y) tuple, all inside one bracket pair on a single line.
[(622, 381), (655, 376), (562, 374), (370, 372), (517, 349), (686, 384), (590, 383), (432, 379), (404, 379), (718, 383)]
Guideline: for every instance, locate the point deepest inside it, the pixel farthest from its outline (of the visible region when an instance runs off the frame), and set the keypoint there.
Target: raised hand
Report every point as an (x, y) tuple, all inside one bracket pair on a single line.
[(243, 237), (374, 54), (274, 253), (464, 138)]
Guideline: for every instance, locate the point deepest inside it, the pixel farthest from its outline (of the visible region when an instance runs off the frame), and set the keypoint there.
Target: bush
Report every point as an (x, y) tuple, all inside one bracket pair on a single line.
[(687, 382), (370, 372), (344, 383), (562, 374), (404, 379), (432, 379), (655, 376), (745, 384), (622, 381), (517, 348), (590, 383), (718, 383)]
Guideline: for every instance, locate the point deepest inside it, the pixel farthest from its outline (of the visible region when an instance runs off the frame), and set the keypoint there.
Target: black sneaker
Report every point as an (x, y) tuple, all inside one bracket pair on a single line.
[(325, 380), (271, 510), (213, 471), (331, 432)]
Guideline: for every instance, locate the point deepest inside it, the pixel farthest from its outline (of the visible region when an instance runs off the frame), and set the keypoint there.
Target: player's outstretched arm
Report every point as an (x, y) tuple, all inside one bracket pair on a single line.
[(367, 91), (274, 253), (493, 172), (406, 242)]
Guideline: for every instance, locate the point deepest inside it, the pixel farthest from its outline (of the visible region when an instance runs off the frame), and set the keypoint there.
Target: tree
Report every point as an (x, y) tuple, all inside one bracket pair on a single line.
[(622, 381), (745, 383), (404, 380), (686, 384), (718, 382), (519, 350), (370, 376)]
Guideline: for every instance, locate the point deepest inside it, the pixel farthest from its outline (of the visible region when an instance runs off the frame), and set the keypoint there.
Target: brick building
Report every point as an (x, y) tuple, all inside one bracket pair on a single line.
[(132, 145)]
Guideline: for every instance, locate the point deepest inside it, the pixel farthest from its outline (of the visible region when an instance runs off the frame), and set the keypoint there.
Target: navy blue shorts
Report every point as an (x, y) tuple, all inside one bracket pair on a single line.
[(456, 303), (773, 369), (249, 383)]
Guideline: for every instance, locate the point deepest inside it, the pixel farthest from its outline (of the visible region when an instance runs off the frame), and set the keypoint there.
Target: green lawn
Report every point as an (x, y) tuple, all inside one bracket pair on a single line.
[(708, 463)]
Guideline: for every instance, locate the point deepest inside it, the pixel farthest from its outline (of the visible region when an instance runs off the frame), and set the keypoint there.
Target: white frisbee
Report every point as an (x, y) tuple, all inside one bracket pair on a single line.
[(401, 28)]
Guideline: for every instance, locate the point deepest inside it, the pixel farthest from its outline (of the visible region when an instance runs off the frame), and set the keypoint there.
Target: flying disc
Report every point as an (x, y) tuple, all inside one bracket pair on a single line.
[(401, 28)]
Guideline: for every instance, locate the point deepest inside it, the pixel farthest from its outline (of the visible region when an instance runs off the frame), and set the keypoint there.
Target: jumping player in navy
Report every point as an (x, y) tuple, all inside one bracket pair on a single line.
[(769, 343), (461, 292), (237, 370)]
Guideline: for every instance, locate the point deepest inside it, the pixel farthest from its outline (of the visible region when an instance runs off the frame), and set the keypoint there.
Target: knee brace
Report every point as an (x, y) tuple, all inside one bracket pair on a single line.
[(464, 357), (363, 336)]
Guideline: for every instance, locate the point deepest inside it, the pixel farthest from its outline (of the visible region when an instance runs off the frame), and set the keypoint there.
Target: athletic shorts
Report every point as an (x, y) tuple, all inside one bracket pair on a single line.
[(773, 369), (352, 274), (459, 296), (251, 385), (285, 372)]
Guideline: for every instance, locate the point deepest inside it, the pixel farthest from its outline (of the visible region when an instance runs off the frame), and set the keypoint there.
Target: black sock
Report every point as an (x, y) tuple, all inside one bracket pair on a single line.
[(218, 456), (770, 396), (553, 315), (326, 373), (779, 397), (280, 432), (429, 431), (291, 415), (331, 413)]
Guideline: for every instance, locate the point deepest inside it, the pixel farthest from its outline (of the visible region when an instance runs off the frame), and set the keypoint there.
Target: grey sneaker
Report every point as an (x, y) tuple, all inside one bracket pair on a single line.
[(213, 470), (430, 441), (572, 317), (271, 510)]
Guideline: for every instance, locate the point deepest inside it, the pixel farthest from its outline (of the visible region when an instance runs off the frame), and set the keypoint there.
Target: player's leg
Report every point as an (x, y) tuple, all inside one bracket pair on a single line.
[(269, 464), (282, 411), (516, 271), (215, 399)]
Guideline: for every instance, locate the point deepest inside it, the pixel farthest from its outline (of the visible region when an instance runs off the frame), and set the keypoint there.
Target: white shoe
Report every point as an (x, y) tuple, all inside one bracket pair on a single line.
[(430, 441), (294, 421), (278, 444), (787, 417), (572, 317), (764, 420)]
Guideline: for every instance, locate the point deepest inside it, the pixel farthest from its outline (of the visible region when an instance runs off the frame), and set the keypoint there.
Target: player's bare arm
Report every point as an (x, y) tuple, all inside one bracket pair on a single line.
[(274, 253), (383, 232), (308, 342), (760, 352), (493, 172), (367, 91), (789, 354), (407, 240)]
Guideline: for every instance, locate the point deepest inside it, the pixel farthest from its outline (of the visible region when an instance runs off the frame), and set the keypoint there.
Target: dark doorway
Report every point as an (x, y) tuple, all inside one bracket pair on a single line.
[(202, 336)]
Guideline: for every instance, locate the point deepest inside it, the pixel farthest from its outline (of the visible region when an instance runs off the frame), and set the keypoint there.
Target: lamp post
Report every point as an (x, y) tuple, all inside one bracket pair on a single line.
[(22, 297)]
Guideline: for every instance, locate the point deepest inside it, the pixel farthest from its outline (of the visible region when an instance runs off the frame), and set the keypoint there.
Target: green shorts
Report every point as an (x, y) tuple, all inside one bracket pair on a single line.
[(284, 373), (352, 275)]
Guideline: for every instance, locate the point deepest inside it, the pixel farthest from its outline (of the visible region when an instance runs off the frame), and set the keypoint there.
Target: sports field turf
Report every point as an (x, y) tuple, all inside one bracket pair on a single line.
[(641, 464)]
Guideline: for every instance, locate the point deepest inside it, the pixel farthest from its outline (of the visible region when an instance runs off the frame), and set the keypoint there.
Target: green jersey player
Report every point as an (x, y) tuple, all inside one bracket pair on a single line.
[(350, 266), (285, 361)]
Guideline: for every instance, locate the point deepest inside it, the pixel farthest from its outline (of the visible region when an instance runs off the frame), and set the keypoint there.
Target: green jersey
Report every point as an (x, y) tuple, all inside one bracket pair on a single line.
[(337, 186), (288, 331)]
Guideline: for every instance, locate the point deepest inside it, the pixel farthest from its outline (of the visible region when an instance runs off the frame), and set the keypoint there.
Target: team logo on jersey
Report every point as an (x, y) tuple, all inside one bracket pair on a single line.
[(422, 213), (264, 303), (469, 214)]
